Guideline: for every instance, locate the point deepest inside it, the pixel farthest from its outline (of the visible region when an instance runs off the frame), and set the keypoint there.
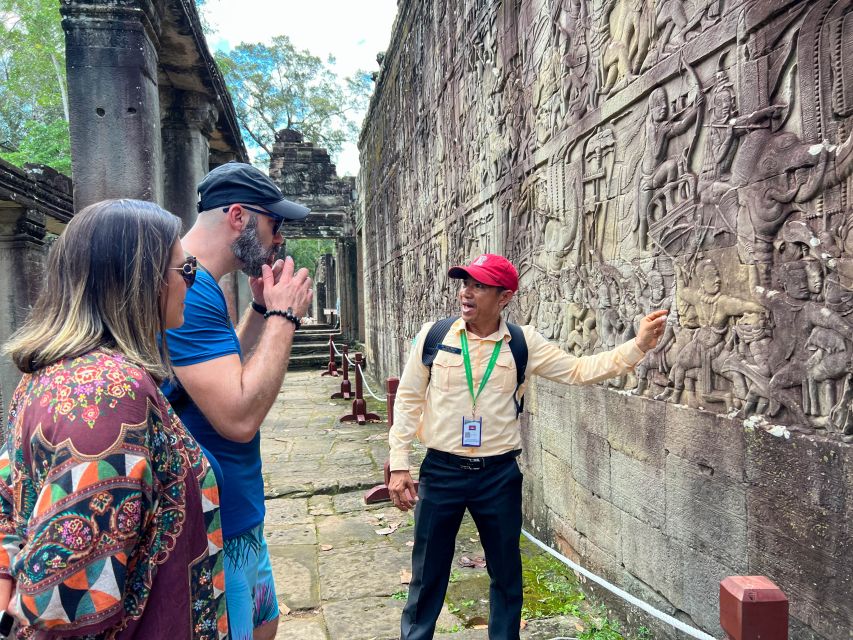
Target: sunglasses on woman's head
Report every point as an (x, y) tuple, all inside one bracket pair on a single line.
[(188, 270)]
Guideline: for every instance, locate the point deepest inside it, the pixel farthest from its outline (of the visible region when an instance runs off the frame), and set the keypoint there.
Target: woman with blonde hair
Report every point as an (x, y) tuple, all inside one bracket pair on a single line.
[(109, 510)]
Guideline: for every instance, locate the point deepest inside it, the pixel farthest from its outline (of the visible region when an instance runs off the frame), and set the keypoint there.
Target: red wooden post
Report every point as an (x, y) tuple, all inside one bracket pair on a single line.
[(391, 385), (332, 369), (753, 608), (346, 387), (359, 406)]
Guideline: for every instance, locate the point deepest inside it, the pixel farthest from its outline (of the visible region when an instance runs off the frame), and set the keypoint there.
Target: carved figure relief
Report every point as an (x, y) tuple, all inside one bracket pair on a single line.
[(630, 155)]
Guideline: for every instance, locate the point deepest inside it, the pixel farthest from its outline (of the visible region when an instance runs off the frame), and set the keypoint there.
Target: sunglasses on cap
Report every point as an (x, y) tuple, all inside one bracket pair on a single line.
[(187, 270), (277, 220)]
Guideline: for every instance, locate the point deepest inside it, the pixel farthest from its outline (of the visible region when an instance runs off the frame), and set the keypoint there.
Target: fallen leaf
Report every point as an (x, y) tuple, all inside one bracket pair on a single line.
[(473, 540), (410, 543), (405, 576), (477, 562), (480, 626), (283, 609), (326, 547), (391, 528), (523, 624)]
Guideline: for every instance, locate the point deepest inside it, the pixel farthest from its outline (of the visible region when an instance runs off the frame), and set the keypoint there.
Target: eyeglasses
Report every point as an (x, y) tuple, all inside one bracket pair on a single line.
[(277, 220), (187, 270)]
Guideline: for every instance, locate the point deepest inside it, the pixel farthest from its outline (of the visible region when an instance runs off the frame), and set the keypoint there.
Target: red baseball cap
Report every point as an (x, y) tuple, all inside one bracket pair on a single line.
[(490, 269)]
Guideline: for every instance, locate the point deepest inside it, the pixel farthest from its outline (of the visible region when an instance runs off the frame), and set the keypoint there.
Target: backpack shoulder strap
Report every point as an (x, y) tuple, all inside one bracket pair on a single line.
[(518, 347), (433, 338)]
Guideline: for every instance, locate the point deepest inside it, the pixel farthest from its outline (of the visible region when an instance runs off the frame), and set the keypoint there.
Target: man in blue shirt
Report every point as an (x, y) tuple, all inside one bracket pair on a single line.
[(227, 380)]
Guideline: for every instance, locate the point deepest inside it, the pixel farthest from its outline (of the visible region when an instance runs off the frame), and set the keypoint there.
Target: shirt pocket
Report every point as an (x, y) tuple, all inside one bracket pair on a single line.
[(448, 371), (504, 373)]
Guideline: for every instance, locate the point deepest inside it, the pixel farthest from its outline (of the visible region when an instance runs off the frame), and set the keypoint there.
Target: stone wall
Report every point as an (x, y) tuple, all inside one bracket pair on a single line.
[(630, 155), (35, 205)]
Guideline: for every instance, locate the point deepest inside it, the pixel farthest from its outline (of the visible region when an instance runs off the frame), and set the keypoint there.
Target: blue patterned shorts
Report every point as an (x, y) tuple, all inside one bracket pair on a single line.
[(249, 588)]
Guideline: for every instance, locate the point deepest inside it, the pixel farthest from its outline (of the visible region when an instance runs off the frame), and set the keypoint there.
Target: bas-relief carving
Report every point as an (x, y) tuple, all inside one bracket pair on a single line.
[(719, 190)]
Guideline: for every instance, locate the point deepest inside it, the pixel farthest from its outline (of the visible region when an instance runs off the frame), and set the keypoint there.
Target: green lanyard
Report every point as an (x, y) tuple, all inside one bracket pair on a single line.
[(466, 358)]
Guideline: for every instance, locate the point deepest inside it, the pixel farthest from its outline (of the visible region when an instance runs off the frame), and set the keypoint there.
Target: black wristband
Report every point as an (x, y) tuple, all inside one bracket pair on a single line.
[(287, 315), (259, 307)]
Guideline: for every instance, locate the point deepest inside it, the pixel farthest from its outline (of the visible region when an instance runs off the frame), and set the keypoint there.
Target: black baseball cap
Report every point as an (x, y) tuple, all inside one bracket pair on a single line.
[(238, 182)]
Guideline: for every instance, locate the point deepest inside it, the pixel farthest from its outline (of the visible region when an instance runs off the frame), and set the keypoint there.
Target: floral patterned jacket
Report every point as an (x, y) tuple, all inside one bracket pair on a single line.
[(109, 511)]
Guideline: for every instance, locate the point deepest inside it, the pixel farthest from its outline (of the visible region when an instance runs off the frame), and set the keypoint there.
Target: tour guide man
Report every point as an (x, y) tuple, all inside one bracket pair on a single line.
[(463, 409)]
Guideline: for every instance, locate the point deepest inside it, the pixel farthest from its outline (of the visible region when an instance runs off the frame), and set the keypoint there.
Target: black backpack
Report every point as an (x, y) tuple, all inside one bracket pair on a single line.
[(517, 345)]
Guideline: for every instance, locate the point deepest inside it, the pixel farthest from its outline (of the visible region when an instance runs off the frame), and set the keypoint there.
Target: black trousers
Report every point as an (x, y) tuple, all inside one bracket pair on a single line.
[(493, 496)]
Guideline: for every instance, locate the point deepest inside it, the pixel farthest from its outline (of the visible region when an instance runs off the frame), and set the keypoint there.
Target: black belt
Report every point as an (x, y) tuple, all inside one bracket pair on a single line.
[(472, 464)]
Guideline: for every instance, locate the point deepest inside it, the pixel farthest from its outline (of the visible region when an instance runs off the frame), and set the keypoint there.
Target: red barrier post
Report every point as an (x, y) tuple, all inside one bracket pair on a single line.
[(391, 385), (379, 493), (346, 387), (359, 406), (753, 608), (332, 368)]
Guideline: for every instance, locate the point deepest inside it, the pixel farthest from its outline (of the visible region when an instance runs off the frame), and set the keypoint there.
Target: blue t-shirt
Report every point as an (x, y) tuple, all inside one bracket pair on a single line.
[(207, 334)]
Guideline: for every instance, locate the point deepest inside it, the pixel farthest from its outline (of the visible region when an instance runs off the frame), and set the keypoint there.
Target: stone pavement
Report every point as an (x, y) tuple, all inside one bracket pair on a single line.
[(338, 577)]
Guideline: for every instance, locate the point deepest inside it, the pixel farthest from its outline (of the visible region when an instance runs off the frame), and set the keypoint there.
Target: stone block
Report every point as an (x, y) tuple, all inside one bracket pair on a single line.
[(554, 422), (311, 628), (701, 598), (599, 521), (706, 511), (637, 427), (363, 619), (714, 441), (296, 575), (359, 573), (654, 558), (638, 488), (558, 486), (591, 462), (800, 501), (589, 405)]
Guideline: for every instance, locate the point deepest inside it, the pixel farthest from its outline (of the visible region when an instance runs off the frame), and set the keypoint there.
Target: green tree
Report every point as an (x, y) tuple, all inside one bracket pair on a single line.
[(33, 92), (305, 252), (277, 87)]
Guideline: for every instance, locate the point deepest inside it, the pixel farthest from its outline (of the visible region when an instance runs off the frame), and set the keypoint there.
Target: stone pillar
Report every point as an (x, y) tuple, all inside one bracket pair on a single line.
[(359, 277), (114, 106), (188, 120), (331, 283), (22, 262), (348, 288)]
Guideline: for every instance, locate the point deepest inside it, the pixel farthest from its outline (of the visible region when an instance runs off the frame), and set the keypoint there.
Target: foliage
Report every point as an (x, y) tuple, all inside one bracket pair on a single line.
[(44, 143), (306, 252), (601, 629), (278, 87), (400, 595), (33, 94), (643, 633)]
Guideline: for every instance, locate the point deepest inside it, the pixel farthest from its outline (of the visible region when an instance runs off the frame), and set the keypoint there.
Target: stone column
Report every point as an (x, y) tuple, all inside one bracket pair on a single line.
[(22, 262), (348, 288), (188, 120), (114, 107), (359, 277)]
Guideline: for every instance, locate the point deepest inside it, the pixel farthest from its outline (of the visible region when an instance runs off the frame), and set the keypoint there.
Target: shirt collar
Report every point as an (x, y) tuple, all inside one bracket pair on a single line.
[(501, 334)]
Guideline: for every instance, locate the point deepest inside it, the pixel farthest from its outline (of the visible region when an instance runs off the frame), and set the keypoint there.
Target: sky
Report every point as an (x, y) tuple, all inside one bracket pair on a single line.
[(353, 31)]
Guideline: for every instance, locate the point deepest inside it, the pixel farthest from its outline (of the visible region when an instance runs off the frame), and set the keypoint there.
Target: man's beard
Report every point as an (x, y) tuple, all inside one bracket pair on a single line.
[(250, 251)]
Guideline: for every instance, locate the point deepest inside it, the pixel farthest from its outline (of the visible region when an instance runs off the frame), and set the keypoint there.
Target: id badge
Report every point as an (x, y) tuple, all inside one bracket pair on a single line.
[(472, 432)]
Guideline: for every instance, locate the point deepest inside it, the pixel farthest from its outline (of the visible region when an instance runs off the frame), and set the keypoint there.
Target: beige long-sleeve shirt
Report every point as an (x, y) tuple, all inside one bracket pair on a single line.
[(432, 409)]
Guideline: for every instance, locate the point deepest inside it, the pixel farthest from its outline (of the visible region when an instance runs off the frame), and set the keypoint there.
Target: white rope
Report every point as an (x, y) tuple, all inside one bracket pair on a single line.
[(660, 615), (351, 363), (367, 386)]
